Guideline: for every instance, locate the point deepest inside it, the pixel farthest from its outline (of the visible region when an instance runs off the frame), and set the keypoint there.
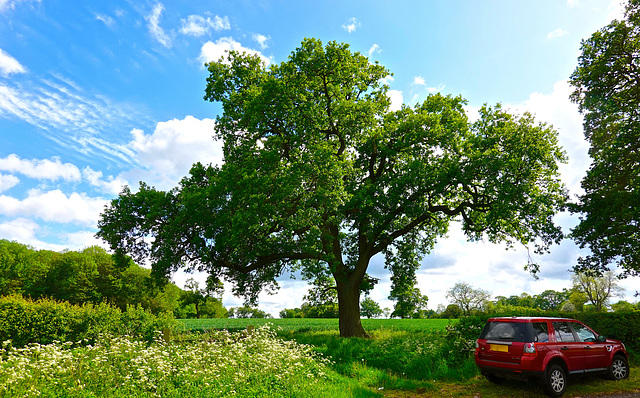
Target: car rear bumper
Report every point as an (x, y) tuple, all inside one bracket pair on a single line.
[(507, 373)]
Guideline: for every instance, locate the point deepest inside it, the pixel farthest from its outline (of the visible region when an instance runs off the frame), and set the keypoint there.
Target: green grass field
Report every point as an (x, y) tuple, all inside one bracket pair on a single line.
[(317, 325)]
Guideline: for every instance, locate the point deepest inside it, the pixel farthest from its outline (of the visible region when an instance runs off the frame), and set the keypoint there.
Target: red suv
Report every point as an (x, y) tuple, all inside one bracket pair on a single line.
[(547, 350)]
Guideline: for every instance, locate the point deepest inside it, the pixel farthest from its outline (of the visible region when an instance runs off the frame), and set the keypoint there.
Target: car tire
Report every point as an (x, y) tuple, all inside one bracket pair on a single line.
[(619, 368), (555, 381)]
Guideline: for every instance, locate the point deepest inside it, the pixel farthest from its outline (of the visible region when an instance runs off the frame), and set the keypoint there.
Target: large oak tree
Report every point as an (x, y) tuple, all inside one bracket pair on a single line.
[(607, 90), (320, 176)]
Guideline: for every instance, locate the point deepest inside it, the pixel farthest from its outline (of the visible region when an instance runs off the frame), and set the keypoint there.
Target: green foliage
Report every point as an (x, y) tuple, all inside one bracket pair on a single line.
[(94, 276), (247, 312), (319, 176), (44, 321), (370, 308), (409, 301), (453, 311), (469, 299), (607, 90), (597, 289)]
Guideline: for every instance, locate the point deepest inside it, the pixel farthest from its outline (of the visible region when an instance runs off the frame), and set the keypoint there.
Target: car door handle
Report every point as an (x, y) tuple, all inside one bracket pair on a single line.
[(564, 348), (587, 347)]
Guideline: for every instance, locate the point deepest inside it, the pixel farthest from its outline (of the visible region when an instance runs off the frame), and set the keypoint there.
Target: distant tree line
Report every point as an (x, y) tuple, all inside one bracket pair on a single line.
[(93, 276)]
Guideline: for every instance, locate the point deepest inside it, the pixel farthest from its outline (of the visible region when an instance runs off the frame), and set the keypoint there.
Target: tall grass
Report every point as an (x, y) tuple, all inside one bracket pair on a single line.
[(425, 356), (215, 364)]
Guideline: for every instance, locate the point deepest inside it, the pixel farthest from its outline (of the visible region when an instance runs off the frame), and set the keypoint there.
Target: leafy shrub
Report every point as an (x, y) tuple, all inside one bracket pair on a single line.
[(43, 321)]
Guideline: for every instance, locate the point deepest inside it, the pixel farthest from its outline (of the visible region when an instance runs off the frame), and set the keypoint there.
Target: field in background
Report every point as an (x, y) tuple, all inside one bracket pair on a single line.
[(317, 325)]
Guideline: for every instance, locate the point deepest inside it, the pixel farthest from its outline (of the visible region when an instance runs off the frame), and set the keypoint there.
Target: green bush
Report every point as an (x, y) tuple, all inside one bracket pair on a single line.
[(44, 321)]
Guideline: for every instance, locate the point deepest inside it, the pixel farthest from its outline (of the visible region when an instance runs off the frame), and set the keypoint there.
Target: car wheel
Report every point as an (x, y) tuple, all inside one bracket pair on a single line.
[(619, 368), (555, 381)]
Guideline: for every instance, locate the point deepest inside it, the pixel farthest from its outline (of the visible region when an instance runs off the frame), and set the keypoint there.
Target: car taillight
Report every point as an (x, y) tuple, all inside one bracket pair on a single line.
[(530, 348)]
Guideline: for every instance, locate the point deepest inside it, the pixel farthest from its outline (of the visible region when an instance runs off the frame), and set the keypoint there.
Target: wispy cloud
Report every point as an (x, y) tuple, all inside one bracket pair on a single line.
[(68, 116), (373, 50), (554, 34), (262, 40), (105, 19), (153, 24), (420, 81), (9, 65), (11, 4), (351, 25), (196, 25)]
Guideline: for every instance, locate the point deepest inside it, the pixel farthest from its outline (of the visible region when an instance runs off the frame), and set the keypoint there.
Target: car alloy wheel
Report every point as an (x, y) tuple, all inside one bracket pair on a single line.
[(619, 368), (556, 381)]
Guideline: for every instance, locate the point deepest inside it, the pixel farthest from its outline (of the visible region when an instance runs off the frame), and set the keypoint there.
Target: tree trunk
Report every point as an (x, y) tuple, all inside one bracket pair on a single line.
[(349, 308)]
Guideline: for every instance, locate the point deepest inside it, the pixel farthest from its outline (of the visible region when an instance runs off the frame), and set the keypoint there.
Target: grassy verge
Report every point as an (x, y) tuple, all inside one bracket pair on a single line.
[(478, 387), (214, 364)]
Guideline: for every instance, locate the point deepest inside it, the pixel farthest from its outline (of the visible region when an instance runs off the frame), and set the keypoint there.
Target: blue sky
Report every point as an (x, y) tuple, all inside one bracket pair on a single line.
[(95, 95)]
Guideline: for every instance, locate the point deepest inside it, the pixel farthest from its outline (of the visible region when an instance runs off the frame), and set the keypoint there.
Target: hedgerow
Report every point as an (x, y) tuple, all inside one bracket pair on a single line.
[(43, 321)]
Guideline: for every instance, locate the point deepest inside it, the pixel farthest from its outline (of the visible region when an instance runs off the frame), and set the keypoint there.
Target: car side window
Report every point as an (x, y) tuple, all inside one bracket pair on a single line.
[(563, 331), (584, 334), (540, 332)]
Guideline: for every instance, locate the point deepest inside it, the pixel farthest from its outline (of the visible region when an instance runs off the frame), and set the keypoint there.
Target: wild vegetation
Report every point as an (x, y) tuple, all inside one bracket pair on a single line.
[(289, 358)]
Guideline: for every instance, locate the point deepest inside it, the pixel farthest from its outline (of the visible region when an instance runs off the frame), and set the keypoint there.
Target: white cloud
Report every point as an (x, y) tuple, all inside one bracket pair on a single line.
[(351, 25), (436, 89), (81, 240), (373, 50), (616, 9), (554, 34), (111, 185), (396, 99), (170, 151), (573, 3), (196, 25), (7, 182), (556, 109), (54, 206), (419, 81), (21, 230), (153, 24), (212, 52), (9, 65), (262, 40), (46, 169)]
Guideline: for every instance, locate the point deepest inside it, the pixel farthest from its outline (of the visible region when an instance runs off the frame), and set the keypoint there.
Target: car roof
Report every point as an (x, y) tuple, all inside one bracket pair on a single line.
[(527, 319)]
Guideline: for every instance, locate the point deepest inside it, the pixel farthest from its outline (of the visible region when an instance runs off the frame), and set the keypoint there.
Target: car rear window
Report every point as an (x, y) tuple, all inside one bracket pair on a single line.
[(507, 331)]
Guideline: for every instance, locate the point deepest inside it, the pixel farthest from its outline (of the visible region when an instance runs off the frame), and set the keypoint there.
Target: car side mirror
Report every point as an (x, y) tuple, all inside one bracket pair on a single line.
[(601, 339)]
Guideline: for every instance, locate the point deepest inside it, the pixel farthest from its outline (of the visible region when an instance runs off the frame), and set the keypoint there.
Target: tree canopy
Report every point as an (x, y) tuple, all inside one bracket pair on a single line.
[(607, 90), (319, 175)]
